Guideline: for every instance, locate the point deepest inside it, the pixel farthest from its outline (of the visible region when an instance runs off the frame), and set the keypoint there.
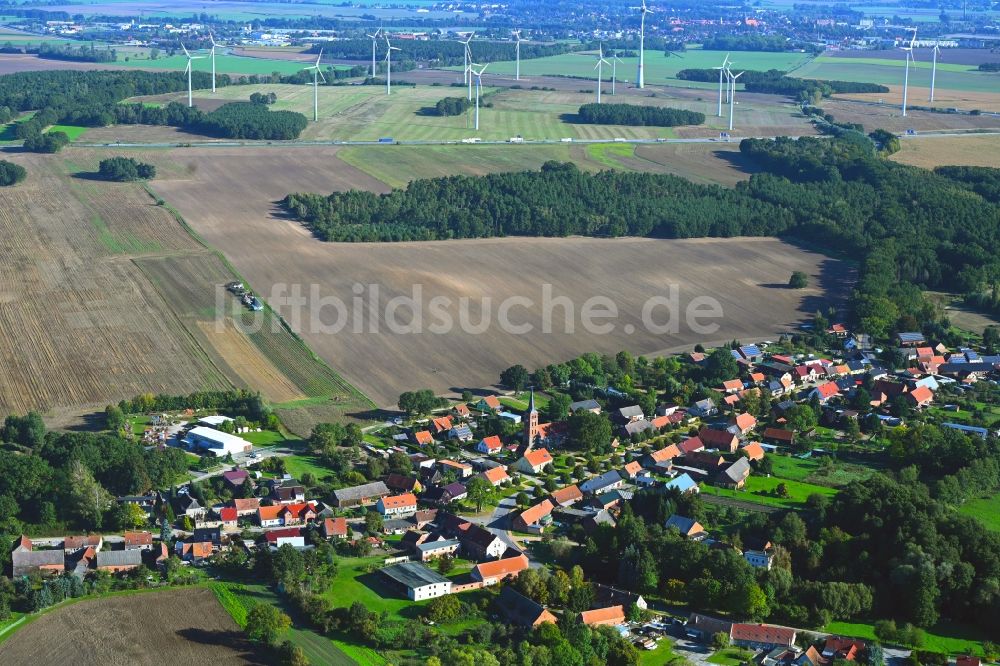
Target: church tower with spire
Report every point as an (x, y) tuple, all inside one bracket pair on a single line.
[(531, 423)]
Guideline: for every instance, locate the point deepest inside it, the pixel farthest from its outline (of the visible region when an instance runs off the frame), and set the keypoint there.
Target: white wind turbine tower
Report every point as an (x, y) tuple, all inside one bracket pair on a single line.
[(479, 87), (600, 71), (732, 103), (723, 71), (906, 75), (640, 79), (211, 38), (317, 75), (374, 39), (187, 70), (517, 54), (614, 70), (937, 50), (389, 48), (467, 72)]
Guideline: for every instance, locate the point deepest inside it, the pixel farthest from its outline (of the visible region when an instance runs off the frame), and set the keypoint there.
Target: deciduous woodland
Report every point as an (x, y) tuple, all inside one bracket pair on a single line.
[(637, 115)]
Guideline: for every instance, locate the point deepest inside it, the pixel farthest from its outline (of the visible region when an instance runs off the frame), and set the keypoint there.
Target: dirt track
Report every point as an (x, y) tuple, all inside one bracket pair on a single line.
[(177, 626)]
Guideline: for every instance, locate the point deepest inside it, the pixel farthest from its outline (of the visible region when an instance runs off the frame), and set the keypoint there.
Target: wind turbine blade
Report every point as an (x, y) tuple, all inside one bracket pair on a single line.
[(185, 50), (319, 57), (320, 72)]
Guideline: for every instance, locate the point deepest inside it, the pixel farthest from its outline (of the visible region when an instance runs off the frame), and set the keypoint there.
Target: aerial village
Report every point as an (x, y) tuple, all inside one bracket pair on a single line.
[(471, 494)]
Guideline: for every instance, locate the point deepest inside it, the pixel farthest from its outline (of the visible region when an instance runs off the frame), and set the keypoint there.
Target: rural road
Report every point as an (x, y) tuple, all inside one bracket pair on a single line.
[(526, 142)]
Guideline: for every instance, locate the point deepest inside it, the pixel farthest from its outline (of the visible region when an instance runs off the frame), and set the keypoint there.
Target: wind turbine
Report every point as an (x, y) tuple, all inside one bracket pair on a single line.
[(600, 71), (906, 76), (374, 39), (467, 73), (937, 50), (722, 72), (187, 70), (614, 70), (212, 39), (732, 103), (389, 48), (640, 79), (317, 75), (517, 54), (479, 86)]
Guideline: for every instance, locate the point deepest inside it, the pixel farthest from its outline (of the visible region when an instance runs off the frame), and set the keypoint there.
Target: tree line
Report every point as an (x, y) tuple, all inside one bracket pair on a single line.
[(637, 115), (912, 228), (439, 52), (83, 53), (776, 82), (766, 43)]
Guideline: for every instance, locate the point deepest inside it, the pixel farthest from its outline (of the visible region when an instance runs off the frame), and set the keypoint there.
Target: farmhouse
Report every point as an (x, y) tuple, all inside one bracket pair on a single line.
[(335, 528), (603, 483), (490, 573), (534, 518), (497, 476), (688, 527), (401, 483), (216, 442), (567, 496), (612, 615), (743, 423), (607, 595), (722, 440), (753, 451), (363, 495), (291, 493), (734, 476), (419, 581), (533, 462), (664, 455), (522, 611), (761, 636), (246, 507), (490, 403), (235, 478), (683, 484), (481, 544), (118, 560), (585, 406), (75, 543), (291, 536), (490, 445), (138, 540), (760, 559), (779, 437), (397, 505), (423, 437), (27, 562)]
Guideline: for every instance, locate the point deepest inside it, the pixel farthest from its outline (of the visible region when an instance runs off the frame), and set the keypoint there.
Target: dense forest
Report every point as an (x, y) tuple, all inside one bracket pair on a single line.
[(637, 115), (437, 52), (775, 82), (913, 228)]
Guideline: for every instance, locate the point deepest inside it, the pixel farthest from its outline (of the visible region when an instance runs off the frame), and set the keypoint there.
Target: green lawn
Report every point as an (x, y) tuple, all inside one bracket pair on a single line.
[(297, 465), (607, 154), (758, 489), (986, 510), (730, 657), (270, 438), (663, 654), (945, 637), (237, 599), (72, 131), (817, 471)]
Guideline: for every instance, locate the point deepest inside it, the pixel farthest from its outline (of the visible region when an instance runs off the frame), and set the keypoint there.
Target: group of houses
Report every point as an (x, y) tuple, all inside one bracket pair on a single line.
[(80, 555)]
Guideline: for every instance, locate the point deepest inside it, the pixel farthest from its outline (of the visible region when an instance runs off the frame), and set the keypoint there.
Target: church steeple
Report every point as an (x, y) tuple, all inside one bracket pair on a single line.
[(531, 423)]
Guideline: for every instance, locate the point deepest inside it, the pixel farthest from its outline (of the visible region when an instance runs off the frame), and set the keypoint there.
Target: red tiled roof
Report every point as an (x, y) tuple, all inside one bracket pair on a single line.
[(138, 539), (745, 422), (828, 390), (335, 527), (249, 504), (754, 451), (691, 444), (665, 454), (492, 443), (763, 633), (567, 494), (538, 457), (532, 515), (716, 438), (227, 514), (423, 437), (272, 536), (633, 468), (502, 568), (921, 394), (496, 475), (492, 402), (609, 615), (732, 385), (397, 501), (441, 423)]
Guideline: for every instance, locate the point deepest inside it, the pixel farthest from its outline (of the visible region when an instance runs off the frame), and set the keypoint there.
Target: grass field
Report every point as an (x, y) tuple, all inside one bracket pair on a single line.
[(986, 510), (890, 72), (817, 471), (968, 150), (663, 654), (760, 490), (367, 113), (238, 599), (187, 624), (659, 68), (74, 132), (944, 637)]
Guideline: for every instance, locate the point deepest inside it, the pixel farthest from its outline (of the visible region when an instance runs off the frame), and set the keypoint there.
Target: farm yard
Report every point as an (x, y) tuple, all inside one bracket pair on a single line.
[(187, 624)]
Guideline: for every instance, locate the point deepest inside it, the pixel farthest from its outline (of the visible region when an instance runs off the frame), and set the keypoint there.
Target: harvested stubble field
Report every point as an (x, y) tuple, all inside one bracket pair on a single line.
[(231, 205), (188, 625), (105, 295), (970, 150), (887, 116)]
